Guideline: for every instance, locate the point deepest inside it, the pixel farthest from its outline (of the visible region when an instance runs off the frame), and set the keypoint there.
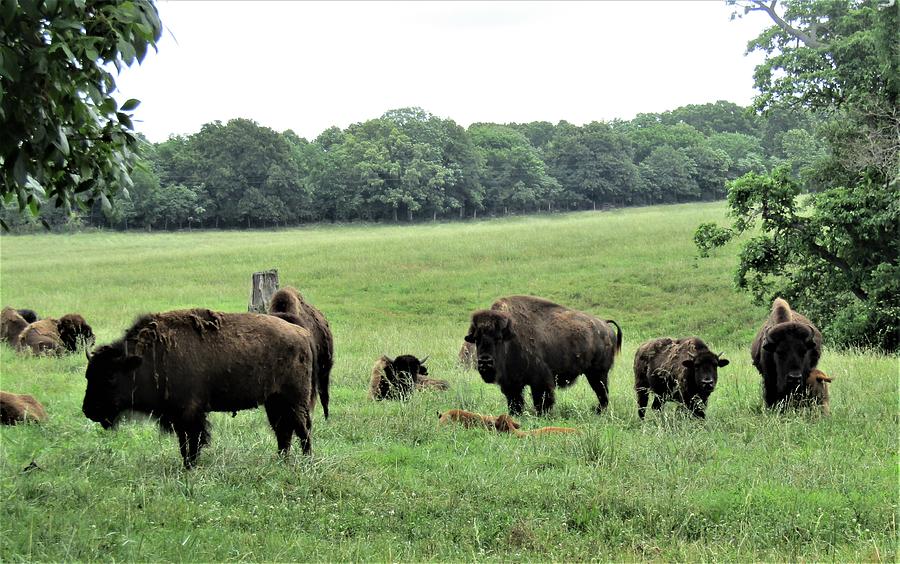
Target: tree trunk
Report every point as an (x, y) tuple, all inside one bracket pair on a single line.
[(395, 214), (262, 287)]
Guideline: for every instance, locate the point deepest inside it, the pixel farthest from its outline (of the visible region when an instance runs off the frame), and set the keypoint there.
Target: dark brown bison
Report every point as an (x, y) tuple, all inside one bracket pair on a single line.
[(179, 365), (817, 385), (16, 408), (288, 304), (11, 326), (528, 341), (785, 350), (683, 370), (397, 379), (28, 315), (56, 336), (468, 354)]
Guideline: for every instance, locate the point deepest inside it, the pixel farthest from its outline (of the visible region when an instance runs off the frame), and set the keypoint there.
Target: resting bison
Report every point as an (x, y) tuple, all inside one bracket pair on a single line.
[(785, 350), (56, 335), (28, 315), (683, 370), (12, 323), (15, 408), (527, 341), (397, 379), (817, 386), (289, 305), (467, 419), (179, 365)]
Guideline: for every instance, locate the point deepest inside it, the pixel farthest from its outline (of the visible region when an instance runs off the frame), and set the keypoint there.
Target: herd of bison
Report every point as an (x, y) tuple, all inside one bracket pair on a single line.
[(177, 366)]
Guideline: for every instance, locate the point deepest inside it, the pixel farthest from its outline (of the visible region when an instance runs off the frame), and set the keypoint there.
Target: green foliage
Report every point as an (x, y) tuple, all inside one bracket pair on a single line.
[(385, 483), (65, 139), (834, 253)]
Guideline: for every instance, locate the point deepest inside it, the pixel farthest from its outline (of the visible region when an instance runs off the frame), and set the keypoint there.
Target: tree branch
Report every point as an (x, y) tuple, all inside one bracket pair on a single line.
[(832, 259), (809, 39)]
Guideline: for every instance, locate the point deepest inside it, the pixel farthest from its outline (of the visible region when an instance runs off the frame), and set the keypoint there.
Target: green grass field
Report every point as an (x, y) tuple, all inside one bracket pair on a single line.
[(385, 483)]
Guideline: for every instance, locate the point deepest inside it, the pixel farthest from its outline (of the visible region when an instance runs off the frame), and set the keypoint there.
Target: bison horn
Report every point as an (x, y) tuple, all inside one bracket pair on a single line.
[(88, 353), (424, 359)]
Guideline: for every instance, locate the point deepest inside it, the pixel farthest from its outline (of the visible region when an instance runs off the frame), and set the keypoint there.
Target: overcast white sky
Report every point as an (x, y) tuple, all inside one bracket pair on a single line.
[(307, 65)]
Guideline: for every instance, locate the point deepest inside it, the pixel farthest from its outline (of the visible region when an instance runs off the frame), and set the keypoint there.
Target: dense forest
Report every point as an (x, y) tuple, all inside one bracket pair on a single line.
[(409, 165)]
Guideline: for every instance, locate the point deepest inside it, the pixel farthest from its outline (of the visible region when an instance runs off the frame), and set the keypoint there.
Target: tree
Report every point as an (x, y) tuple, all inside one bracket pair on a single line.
[(833, 253), (65, 139)]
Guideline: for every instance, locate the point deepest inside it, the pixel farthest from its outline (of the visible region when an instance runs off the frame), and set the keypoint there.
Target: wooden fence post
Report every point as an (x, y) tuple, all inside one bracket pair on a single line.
[(262, 288)]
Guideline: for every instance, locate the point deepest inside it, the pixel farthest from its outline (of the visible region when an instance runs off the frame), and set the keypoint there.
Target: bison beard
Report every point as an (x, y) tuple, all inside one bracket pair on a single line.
[(786, 349), (528, 341), (288, 304), (178, 366)]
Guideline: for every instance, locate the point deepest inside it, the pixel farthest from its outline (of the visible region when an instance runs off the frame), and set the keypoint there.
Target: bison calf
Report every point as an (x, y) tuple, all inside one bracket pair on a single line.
[(179, 365), (684, 370), (502, 423), (528, 341), (397, 379), (817, 387), (20, 408), (786, 349)]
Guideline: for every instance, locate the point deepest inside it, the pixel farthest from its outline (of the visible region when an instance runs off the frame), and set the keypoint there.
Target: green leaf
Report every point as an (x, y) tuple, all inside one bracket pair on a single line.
[(63, 143), (4, 225), (104, 202), (125, 120), (20, 173), (130, 105)]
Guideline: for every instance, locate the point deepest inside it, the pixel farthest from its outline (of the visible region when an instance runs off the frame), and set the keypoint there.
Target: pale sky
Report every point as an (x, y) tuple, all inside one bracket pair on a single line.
[(307, 65)]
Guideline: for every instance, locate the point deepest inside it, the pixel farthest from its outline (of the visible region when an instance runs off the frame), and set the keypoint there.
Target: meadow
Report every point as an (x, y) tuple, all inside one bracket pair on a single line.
[(384, 482)]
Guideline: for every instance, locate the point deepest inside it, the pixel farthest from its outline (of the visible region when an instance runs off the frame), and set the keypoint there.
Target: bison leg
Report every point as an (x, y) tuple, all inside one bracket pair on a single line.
[(282, 421), (543, 398), (643, 396), (514, 400), (599, 382), (192, 436), (657, 403), (303, 428)]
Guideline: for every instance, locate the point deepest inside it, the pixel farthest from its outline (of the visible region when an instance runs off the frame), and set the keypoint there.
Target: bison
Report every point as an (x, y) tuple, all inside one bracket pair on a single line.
[(785, 350), (683, 370), (501, 423), (528, 341), (288, 304), (12, 323), (16, 408), (817, 386), (177, 366), (468, 353), (28, 315), (397, 379), (56, 336)]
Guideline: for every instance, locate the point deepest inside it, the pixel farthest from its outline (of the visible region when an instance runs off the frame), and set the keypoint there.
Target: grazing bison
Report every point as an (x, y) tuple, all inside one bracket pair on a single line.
[(683, 370), (179, 365), (16, 408), (468, 354), (56, 335), (785, 350), (397, 379), (11, 326), (288, 304), (528, 341)]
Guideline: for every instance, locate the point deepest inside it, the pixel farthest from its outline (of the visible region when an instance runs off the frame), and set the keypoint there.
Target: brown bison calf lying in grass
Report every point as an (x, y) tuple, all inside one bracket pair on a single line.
[(501, 423), (55, 336), (16, 408), (288, 304), (683, 370), (179, 365), (786, 349), (397, 379)]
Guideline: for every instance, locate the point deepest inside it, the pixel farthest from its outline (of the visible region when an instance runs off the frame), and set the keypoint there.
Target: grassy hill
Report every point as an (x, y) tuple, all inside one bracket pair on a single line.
[(384, 482)]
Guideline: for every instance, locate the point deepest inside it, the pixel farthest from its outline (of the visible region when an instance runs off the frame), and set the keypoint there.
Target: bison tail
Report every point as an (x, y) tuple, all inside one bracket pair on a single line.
[(324, 382), (618, 335)]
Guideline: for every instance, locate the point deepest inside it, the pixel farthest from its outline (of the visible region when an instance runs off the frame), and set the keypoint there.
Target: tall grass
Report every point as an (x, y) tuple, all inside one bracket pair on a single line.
[(384, 482)]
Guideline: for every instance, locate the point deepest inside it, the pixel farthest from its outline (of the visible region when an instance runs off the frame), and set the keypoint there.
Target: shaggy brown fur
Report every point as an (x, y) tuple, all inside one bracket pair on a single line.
[(501, 423), (56, 336), (288, 304), (20, 408), (683, 370), (786, 348), (468, 354), (424, 383), (180, 365), (11, 326), (817, 384), (396, 379), (528, 341)]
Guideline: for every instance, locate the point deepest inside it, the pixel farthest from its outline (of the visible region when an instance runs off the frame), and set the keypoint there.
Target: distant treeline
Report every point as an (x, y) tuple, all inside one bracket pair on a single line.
[(409, 165)]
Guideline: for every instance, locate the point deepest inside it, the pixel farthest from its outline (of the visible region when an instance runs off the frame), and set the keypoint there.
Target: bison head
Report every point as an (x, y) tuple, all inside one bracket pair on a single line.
[(108, 392), (28, 315), (72, 329), (490, 330), (704, 367), (793, 352), (408, 366)]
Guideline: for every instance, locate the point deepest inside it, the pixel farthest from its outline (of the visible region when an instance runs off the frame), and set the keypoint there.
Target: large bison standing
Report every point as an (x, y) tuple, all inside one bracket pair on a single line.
[(785, 351), (180, 365), (528, 341)]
